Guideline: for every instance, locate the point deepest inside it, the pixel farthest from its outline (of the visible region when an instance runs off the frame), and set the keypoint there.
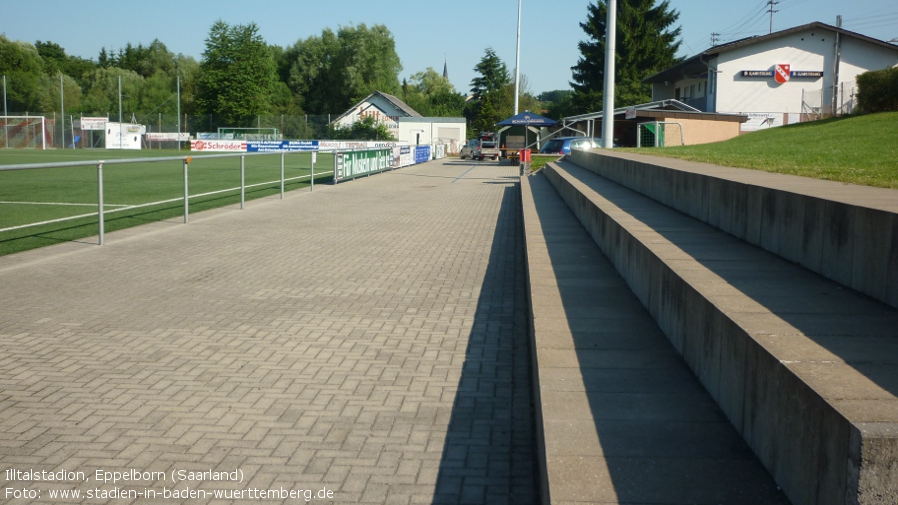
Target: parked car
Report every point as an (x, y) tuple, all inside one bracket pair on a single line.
[(563, 145), (467, 150), (486, 149), (480, 148)]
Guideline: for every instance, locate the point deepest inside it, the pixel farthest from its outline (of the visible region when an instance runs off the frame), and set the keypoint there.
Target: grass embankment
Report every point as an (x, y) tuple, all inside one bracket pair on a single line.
[(539, 161), (857, 150)]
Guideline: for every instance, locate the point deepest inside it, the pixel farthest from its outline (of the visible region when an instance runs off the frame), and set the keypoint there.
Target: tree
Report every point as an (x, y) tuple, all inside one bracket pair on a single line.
[(48, 93), (22, 66), (238, 74), (557, 103), (334, 70), (431, 94), (366, 128), (101, 90), (645, 45), (493, 75)]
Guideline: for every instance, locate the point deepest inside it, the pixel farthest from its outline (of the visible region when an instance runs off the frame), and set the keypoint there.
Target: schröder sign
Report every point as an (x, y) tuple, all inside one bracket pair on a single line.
[(218, 145)]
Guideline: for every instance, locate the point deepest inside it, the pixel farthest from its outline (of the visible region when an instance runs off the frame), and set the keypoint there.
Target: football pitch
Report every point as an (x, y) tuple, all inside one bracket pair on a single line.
[(66, 198)]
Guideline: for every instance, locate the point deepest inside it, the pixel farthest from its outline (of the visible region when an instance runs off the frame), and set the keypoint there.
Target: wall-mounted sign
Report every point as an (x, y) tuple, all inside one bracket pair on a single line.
[(93, 123), (782, 73), (807, 73)]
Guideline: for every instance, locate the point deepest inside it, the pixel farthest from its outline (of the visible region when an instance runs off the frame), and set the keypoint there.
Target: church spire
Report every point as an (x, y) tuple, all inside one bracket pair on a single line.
[(445, 68)]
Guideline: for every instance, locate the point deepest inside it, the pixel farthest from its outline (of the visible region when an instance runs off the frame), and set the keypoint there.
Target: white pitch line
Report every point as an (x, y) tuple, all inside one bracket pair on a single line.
[(61, 203)]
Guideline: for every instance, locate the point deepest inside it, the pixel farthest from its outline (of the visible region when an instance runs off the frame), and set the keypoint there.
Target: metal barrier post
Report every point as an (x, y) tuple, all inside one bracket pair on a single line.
[(282, 176), (101, 225), (242, 181), (312, 177), (186, 197)]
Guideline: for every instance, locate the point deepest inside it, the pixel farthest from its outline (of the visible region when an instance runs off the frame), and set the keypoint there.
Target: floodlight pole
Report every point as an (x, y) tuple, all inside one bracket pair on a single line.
[(5, 113), (179, 112), (610, 42), (62, 106), (120, 99), (517, 65)]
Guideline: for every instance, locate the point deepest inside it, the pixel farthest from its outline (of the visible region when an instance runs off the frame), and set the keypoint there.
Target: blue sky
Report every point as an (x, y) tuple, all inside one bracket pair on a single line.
[(425, 31)]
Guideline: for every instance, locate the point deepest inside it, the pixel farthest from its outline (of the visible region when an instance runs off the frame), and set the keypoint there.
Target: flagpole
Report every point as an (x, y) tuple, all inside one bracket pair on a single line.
[(517, 65), (610, 42)]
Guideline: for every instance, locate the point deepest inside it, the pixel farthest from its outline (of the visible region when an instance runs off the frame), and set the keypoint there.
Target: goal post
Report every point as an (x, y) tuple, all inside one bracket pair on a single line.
[(659, 134), (240, 133), (25, 132)]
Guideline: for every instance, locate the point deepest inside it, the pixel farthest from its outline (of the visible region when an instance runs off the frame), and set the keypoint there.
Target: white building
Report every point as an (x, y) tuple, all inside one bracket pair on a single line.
[(448, 131), (384, 108), (785, 77), (406, 124)]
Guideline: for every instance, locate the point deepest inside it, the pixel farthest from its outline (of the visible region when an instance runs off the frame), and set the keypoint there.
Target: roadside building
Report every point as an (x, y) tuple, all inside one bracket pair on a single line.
[(405, 123), (798, 74)]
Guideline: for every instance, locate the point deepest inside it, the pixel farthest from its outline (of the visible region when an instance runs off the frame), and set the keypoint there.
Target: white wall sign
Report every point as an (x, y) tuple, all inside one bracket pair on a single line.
[(123, 135), (93, 123)]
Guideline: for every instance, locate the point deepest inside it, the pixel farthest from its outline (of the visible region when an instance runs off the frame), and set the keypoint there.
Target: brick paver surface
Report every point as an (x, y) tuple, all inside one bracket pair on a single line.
[(368, 339)]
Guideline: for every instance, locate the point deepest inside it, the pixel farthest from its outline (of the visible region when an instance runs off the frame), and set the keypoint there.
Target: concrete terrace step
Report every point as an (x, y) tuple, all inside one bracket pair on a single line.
[(803, 368), (621, 419)]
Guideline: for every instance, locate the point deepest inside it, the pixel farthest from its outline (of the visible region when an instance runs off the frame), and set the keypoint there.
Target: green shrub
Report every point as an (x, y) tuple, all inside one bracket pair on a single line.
[(878, 90)]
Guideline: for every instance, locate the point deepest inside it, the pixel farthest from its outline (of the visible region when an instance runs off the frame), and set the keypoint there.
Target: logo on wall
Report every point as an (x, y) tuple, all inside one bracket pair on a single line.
[(781, 73)]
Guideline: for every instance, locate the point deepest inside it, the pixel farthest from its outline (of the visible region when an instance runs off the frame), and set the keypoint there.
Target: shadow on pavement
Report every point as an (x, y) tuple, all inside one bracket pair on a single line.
[(489, 455)]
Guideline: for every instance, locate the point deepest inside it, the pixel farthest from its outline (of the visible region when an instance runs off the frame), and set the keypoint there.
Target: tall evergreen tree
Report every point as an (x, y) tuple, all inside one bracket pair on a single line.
[(645, 45), (493, 75)]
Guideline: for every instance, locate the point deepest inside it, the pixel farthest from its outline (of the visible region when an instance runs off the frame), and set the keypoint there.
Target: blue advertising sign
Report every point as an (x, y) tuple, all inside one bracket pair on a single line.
[(262, 146), (422, 154)]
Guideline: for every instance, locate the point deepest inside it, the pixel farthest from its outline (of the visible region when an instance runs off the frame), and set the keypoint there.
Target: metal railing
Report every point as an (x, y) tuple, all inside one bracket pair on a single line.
[(185, 160)]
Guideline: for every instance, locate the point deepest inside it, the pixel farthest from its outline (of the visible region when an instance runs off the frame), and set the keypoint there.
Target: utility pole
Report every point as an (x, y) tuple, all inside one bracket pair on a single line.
[(837, 57), (771, 3), (714, 38)]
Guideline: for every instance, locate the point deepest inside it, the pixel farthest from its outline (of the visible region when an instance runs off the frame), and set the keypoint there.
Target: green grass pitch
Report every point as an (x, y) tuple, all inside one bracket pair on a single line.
[(37, 195)]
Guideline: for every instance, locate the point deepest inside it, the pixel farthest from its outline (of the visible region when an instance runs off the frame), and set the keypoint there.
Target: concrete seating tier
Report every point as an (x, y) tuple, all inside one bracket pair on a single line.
[(804, 368)]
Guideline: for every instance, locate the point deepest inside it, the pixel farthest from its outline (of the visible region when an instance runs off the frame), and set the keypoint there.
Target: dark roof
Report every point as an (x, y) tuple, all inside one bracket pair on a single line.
[(404, 107), (399, 104), (696, 65)]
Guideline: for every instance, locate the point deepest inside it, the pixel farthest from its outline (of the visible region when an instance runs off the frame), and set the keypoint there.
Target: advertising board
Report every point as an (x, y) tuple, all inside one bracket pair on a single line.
[(422, 154), (124, 135), (167, 137), (356, 163), (93, 123), (228, 146), (262, 146)]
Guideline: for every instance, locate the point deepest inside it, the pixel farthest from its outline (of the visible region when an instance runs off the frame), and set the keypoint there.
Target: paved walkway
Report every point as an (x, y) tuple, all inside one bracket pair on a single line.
[(368, 339)]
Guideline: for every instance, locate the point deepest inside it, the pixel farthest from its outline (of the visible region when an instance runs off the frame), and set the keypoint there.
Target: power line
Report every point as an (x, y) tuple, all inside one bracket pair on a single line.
[(744, 19)]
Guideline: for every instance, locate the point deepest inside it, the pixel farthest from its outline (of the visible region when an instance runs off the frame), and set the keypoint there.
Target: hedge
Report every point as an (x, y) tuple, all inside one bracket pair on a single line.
[(878, 90)]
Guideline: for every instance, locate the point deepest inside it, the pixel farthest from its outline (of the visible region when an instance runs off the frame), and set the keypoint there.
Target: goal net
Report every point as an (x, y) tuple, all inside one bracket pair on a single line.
[(235, 133), (659, 134), (26, 132)]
